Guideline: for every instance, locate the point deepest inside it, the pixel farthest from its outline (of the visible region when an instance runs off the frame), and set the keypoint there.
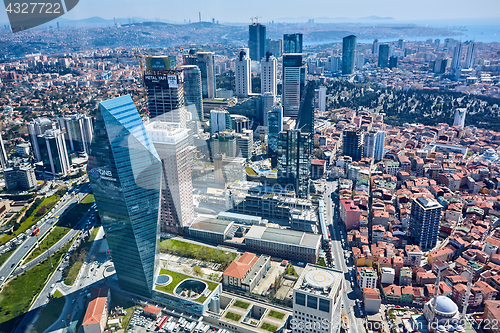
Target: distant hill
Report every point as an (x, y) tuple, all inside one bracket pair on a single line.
[(376, 18)]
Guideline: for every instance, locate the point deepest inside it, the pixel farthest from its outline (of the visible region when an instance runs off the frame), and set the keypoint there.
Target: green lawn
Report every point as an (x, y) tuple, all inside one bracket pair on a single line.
[(177, 278), (269, 327), (48, 203), (6, 255), (57, 294), (321, 262), (52, 238), (233, 316), (250, 171), (17, 294), (49, 314), (89, 199), (276, 314), (190, 250), (241, 304)]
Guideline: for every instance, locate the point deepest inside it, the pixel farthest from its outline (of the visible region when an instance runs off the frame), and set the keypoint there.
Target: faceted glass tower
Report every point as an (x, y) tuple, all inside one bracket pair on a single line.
[(125, 175), (348, 54)]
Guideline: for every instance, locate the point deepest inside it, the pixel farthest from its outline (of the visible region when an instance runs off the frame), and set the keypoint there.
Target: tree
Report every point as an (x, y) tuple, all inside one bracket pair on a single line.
[(197, 270)]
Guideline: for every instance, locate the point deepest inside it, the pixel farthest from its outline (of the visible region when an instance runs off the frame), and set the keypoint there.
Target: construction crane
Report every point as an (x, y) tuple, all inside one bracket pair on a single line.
[(255, 19)]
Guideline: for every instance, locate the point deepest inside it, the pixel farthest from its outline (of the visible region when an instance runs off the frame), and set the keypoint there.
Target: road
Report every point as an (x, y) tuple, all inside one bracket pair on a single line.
[(90, 274), (350, 294), (48, 222)]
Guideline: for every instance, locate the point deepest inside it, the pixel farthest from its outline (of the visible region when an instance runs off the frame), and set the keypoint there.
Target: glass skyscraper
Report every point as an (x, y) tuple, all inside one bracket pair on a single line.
[(383, 55), (193, 99), (275, 126), (348, 54), (257, 41), (292, 43), (125, 175)]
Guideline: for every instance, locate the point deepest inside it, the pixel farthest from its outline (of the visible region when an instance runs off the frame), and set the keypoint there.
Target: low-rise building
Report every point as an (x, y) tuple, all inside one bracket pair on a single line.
[(368, 278), (372, 300), (97, 310), (246, 272)]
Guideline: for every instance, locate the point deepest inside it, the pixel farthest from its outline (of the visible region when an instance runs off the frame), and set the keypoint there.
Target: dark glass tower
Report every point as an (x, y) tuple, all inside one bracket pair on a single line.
[(292, 43), (257, 41), (383, 55), (348, 54), (193, 99), (352, 143), (125, 175), (275, 126), (294, 161)]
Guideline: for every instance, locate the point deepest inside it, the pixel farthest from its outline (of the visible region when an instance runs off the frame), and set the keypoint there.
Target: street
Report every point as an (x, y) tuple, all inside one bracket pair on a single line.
[(337, 232)]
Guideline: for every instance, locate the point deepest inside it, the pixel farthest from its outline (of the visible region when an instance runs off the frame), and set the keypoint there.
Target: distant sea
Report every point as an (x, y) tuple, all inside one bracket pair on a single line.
[(489, 33)]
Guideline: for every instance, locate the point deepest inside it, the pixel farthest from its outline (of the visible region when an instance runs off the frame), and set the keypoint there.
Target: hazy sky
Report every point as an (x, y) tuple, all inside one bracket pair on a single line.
[(241, 11)]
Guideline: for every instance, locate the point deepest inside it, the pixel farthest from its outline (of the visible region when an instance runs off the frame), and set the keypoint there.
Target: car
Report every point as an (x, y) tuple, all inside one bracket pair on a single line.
[(73, 301)]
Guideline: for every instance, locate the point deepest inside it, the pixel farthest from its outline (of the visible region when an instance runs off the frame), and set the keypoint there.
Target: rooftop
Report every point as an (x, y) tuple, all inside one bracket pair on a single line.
[(319, 280), (284, 236), (97, 306), (212, 225)]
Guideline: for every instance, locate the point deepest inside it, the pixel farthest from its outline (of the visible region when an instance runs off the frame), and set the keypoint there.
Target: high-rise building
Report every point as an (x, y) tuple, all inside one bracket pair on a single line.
[(36, 128), (321, 98), (268, 72), (317, 300), (378, 154), (437, 43), (401, 44), (165, 94), (460, 114), (4, 161), (274, 127), (393, 62), (206, 63), (375, 46), (348, 54), (352, 141), (125, 174), (176, 201), (469, 59), (257, 41), (243, 79), (54, 153), (268, 101), (457, 58), (292, 43), (224, 142), (294, 161), (19, 178), (335, 63), (193, 98), (77, 132), (360, 61), (383, 55), (220, 120), (275, 46), (244, 139), (425, 218), (294, 72)]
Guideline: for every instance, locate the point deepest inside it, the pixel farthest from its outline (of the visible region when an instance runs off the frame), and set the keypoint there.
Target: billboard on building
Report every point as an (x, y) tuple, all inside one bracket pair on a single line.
[(157, 63)]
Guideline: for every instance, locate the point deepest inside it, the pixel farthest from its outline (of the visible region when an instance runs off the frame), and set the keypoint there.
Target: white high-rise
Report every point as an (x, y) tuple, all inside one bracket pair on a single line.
[(4, 161), (243, 74), (268, 101), (460, 117), (360, 60), (335, 63), (321, 98), (369, 144), (268, 70), (457, 57), (78, 132), (54, 154), (219, 120), (469, 59)]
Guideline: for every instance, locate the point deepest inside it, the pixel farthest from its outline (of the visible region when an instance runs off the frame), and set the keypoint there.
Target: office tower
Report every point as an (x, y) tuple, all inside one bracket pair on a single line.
[(457, 58), (352, 141), (335, 64), (294, 161), (257, 41), (165, 94), (206, 63), (274, 127), (275, 46), (317, 300), (401, 44), (224, 142), (383, 55), (469, 59), (54, 153), (460, 117), (348, 54), (268, 101), (219, 121), (268, 72), (360, 61), (228, 170), (375, 46), (125, 174), (36, 128), (245, 143), (239, 123), (393, 62), (176, 201), (294, 73), (321, 98), (440, 65), (77, 132), (4, 161), (369, 144), (243, 79), (19, 178), (378, 154), (424, 222), (292, 43), (193, 98), (437, 43)]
